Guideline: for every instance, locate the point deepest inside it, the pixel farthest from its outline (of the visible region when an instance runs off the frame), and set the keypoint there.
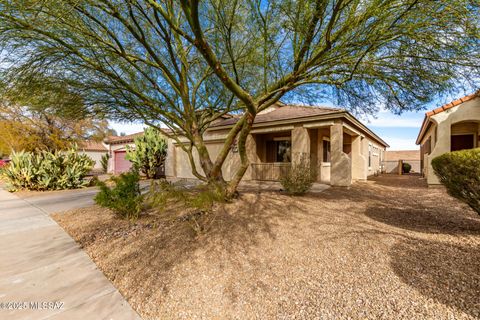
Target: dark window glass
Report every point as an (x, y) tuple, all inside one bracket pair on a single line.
[(283, 148), (326, 151), (462, 141)]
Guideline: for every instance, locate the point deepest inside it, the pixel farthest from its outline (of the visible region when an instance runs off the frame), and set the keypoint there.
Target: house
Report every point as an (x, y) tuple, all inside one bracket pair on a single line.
[(341, 148), (454, 126), (117, 149), (95, 150), (393, 158)]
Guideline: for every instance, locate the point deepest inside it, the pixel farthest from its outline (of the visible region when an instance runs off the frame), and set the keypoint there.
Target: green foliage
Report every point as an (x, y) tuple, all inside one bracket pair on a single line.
[(406, 167), (124, 198), (459, 172), (46, 170), (104, 162), (194, 203), (199, 198), (299, 179), (149, 153)]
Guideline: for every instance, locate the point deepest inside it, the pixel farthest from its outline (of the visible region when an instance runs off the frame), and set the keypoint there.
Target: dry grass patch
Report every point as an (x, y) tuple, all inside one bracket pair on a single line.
[(388, 248)]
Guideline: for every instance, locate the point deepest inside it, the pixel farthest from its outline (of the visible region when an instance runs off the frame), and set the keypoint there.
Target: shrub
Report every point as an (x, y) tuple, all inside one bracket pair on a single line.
[(104, 162), (149, 153), (459, 172), (299, 179), (124, 198), (46, 170), (406, 167), (194, 203)]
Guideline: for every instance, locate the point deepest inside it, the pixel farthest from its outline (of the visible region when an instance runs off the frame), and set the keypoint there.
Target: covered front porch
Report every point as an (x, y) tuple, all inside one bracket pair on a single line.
[(334, 149)]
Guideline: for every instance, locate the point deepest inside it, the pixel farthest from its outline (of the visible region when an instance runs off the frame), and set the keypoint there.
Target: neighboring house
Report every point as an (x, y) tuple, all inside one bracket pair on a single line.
[(117, 148), (341, 148), (454, 126), (95, 150), (393, 157)]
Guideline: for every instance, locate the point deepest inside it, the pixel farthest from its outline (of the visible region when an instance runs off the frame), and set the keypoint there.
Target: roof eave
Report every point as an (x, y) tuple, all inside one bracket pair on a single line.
[(350, 117)]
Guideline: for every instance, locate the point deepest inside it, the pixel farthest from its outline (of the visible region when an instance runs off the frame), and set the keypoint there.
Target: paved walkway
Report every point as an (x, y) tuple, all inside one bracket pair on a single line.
[(40, 263)]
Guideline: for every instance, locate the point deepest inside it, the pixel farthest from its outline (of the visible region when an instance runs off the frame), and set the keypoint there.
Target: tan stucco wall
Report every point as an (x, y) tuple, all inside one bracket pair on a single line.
[(446, 123), (178, 163), (95, 156)]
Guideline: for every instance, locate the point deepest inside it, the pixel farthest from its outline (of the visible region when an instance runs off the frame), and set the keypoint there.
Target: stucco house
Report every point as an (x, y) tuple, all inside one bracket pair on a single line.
[(95, 150), (340, 147), (454, 126), (117, 149)]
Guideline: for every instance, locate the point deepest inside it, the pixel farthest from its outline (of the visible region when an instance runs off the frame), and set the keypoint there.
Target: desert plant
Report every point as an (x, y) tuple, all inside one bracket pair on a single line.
[(124, 198), (459, 172), (46, 170), (149, 153), (299, 179), (104, 162), (406, 167)]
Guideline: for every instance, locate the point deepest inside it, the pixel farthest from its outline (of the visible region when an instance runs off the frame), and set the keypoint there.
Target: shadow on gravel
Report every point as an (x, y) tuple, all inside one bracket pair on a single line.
[(410, 181), (143, 255), (426, 220), (445, 272)]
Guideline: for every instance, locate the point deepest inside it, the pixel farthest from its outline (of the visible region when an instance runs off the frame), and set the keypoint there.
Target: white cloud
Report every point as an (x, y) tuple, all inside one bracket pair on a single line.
[(395, 122), (401, 143), (128, 128)]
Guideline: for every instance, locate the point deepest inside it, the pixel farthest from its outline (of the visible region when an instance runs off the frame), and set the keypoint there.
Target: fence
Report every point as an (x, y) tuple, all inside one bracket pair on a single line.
[(392, 166), (269, 171)]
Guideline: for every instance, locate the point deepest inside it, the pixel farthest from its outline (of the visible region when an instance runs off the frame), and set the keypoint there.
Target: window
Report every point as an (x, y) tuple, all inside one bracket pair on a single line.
[(462, 141), (283, 151), (326, 151)]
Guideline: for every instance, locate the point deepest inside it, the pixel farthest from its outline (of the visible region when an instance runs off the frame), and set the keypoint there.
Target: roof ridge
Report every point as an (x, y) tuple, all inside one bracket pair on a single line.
[(297, 105)]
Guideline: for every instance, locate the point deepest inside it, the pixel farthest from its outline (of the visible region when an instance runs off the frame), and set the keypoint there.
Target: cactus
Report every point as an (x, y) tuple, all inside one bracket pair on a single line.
[(149, 153), (46, 170)]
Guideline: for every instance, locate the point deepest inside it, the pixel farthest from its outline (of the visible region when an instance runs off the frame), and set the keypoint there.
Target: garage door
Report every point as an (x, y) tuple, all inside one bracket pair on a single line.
[(121, 164)]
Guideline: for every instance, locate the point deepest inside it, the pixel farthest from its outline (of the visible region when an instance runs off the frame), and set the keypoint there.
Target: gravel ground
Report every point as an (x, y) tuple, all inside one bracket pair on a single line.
[(388, 248)]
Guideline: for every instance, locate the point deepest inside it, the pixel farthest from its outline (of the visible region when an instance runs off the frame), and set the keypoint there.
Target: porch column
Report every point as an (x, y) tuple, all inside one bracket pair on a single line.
[(359, 162), (252, 155), (443, 145), (300, 144), (341, 166)]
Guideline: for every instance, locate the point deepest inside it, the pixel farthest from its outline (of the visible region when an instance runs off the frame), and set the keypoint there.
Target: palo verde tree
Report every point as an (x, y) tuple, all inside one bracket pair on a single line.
[(187, 63), (41, 114)]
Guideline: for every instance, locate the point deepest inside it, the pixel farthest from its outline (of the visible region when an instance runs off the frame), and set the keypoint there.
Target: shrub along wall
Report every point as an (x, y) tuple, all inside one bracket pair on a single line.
[(459, 172), (46, 170)]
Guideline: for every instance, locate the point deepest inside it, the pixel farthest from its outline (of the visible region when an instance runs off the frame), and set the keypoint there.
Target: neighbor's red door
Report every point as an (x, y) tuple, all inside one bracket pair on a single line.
[(121, 164)]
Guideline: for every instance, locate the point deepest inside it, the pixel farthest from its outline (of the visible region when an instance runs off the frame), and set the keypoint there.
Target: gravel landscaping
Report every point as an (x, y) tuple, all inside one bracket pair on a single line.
[(388, 248)]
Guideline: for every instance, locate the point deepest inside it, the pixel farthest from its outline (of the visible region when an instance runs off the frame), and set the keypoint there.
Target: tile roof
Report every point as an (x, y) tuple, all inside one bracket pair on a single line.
[(123, 139), (91, 145), (453, 104), (284, 112), (443, 108)]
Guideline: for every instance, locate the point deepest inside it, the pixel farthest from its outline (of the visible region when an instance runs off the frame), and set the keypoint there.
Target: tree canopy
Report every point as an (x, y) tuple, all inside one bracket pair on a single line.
[(40, 114), (186, 63)]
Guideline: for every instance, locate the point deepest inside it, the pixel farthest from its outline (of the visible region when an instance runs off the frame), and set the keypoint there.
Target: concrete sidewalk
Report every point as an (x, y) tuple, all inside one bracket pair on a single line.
[(45, 275)]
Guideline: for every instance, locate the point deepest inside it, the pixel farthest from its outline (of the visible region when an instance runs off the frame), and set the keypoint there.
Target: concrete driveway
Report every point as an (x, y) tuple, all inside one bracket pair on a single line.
[(44, 274), (57, 201)]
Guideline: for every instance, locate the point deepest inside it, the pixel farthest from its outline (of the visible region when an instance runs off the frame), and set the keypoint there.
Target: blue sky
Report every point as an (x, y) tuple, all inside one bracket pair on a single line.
[(400, 132)]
